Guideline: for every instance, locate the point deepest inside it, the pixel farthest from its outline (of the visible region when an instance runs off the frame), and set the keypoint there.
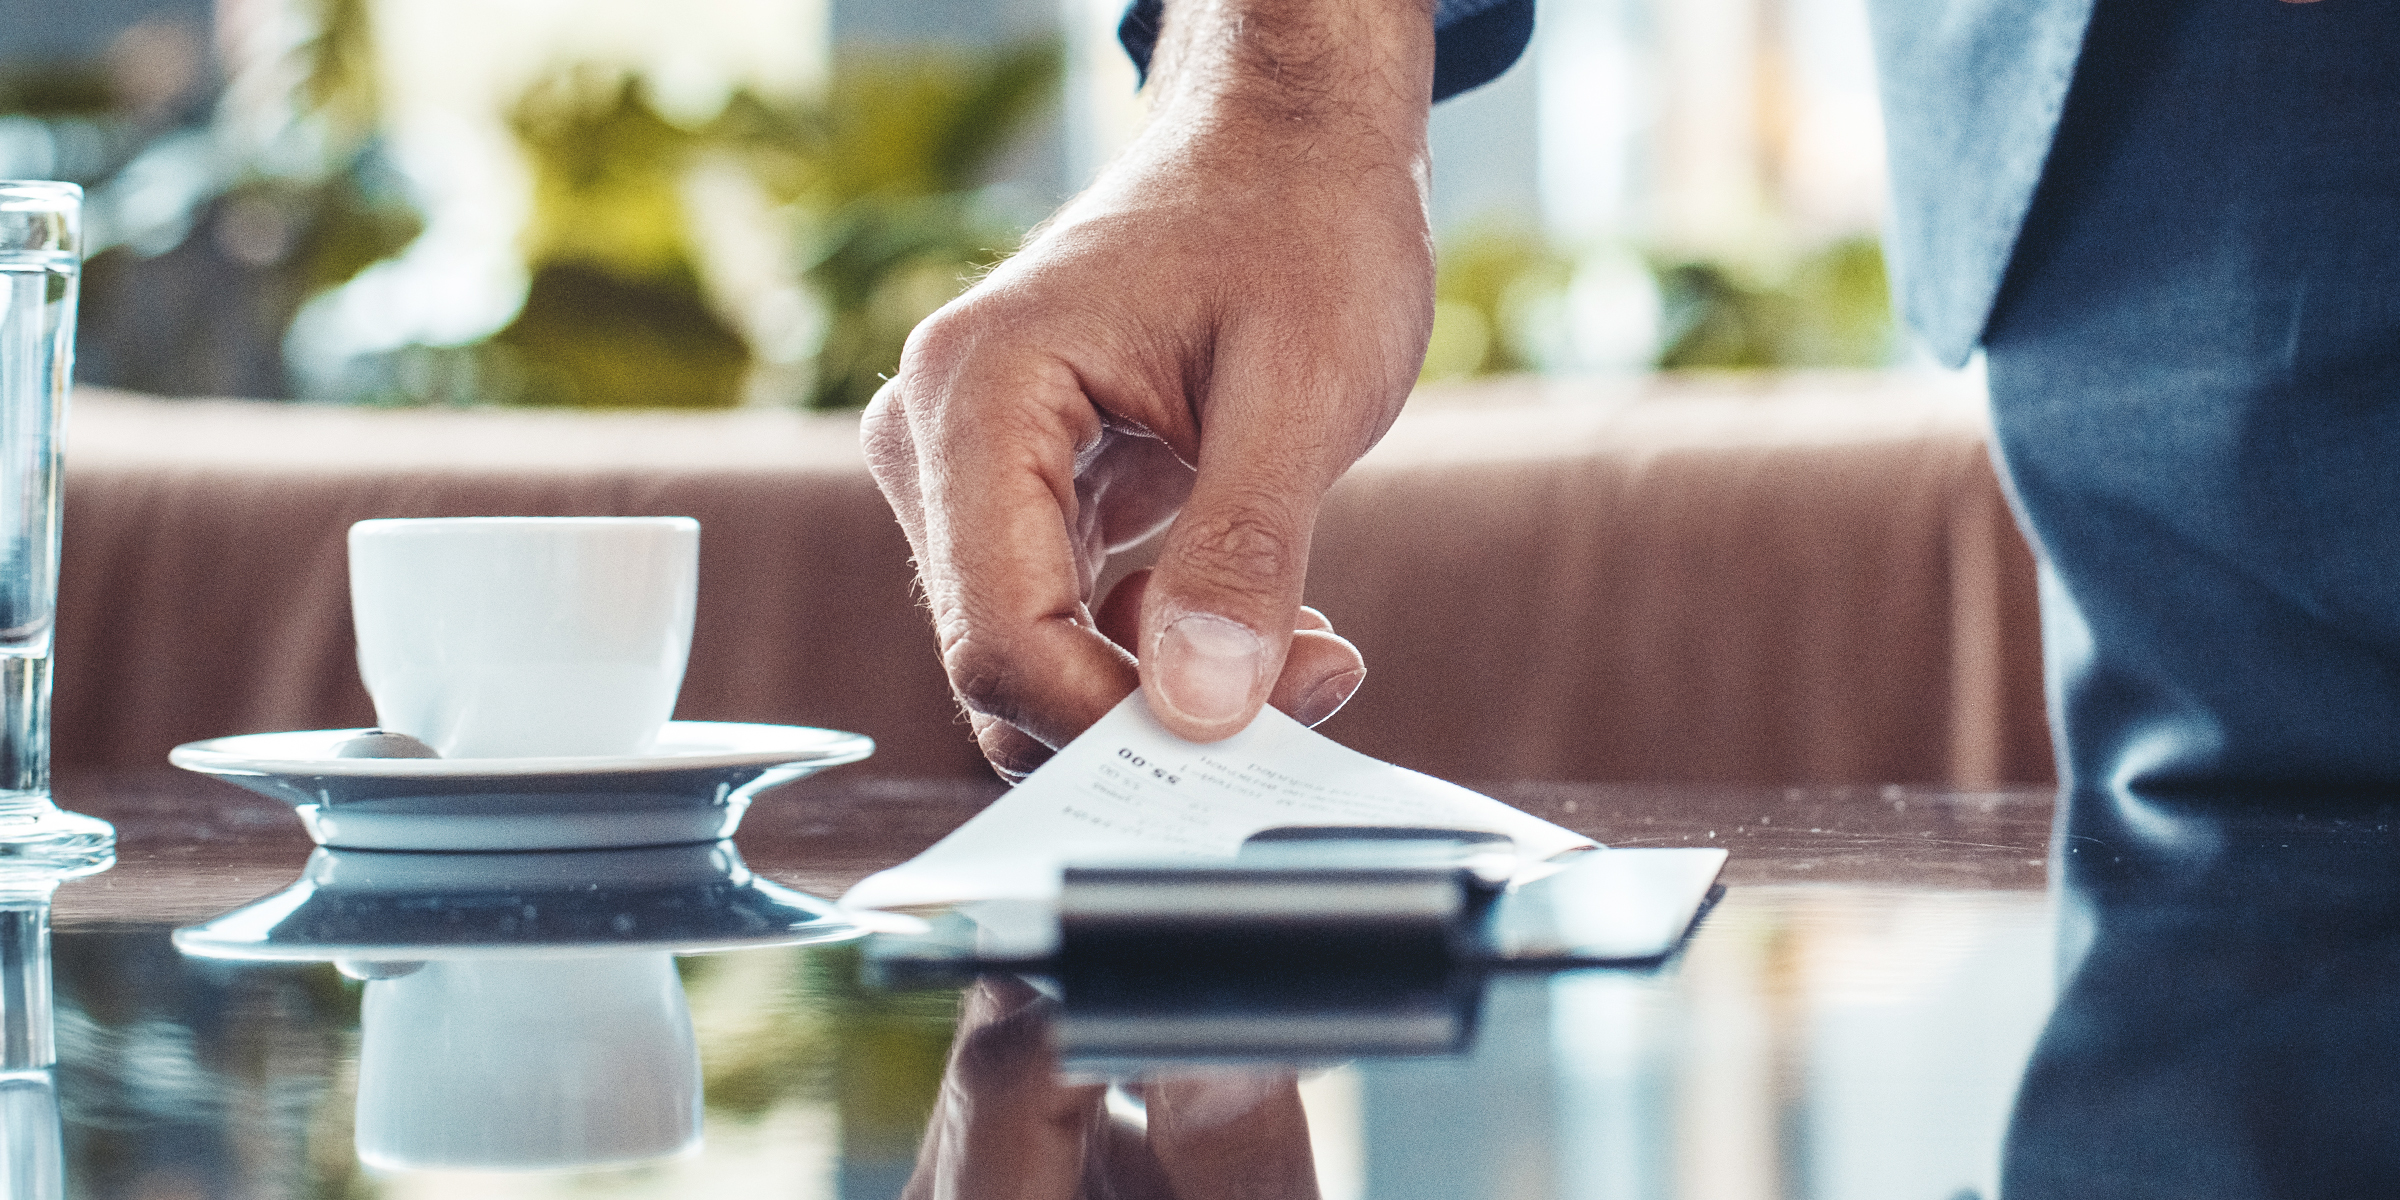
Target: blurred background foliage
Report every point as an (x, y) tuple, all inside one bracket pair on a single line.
[(1508, 300), (207, 228), (1829, 308), (883, 176), (875, 178), (615, 315), (872, 183), (236, 191)]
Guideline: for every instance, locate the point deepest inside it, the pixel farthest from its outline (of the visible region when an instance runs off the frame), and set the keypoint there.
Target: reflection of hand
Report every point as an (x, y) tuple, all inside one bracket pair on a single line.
[(1210, 335), (1232, 1135), (1006, 1126)]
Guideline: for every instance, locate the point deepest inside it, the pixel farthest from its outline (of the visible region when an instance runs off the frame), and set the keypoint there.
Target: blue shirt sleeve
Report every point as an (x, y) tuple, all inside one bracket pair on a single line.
[(1474, 40)]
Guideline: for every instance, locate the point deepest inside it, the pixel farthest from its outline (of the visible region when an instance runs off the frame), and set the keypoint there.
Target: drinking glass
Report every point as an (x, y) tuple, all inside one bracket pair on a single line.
[(39, 260)]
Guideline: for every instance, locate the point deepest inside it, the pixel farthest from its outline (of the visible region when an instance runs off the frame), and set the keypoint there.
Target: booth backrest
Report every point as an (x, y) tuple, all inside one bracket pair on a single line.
[(1807, 579)]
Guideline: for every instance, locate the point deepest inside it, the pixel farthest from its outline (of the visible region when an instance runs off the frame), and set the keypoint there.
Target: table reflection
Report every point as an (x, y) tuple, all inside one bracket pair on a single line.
[(2224, 1029), (1838, 1027), (2227, 1025)]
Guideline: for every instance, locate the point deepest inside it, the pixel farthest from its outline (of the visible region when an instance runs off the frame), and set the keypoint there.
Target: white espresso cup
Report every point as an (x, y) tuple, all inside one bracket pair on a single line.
[(525, 637)]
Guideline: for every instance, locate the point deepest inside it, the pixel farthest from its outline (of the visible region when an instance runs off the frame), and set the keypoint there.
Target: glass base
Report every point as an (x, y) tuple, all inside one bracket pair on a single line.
[(41, 840)]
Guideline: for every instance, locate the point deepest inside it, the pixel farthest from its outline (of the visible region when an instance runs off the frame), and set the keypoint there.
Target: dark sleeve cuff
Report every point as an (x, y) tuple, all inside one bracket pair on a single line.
[(1468, 52)]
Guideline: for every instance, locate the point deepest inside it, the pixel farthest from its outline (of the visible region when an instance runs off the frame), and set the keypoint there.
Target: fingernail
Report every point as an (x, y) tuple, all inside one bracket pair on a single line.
[(1328, 697), (1207, 666)]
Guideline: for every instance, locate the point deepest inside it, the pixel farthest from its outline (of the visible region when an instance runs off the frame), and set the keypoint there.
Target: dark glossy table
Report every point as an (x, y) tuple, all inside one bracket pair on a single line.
[(1854, 1019)]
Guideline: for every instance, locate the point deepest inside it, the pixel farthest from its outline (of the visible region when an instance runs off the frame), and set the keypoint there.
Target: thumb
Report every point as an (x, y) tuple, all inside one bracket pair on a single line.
[(1218, 615)]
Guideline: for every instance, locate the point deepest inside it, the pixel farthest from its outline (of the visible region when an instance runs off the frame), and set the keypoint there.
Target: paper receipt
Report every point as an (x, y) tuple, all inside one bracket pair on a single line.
[(1128, 788)]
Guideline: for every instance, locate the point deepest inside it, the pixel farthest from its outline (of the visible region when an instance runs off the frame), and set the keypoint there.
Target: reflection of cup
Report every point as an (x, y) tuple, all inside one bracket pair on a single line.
[(527, 1064), (502, 637)]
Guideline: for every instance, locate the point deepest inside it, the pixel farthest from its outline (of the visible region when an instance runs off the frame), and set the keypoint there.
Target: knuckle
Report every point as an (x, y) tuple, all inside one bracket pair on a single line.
[(982, 676), (1245, 551), (885, 420), (883, 432), (940, 342), (1011, 752)]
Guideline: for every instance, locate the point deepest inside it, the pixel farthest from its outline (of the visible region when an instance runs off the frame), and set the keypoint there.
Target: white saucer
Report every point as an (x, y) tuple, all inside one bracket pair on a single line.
[(693, 787)]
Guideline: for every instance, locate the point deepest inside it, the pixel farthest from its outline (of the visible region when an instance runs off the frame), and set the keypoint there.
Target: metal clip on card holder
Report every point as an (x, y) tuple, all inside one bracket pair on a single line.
[(1305, 898), (1311, 939)]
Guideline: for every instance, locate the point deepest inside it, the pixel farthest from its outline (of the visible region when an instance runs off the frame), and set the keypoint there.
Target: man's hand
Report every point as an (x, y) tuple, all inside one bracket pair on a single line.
[(1210, 335)]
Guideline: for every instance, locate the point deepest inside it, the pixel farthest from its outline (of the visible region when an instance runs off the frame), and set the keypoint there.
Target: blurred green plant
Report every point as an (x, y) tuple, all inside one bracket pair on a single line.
[(1501, 305), (316, 200), (1485, 282), (877, 175), (343, 207), (616, 316), (1830, 309), (881, 171)]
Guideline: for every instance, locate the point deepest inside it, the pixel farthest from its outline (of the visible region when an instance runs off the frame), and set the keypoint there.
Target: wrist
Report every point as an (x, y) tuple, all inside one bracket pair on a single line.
[(1272, 70)]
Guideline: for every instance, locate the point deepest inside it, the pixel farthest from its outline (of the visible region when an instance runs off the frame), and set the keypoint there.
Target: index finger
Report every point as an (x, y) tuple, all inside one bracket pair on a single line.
[(987, 474)]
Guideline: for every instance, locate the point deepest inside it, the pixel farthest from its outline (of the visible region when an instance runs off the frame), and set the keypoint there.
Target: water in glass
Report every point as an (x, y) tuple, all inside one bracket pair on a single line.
[(38, 266)]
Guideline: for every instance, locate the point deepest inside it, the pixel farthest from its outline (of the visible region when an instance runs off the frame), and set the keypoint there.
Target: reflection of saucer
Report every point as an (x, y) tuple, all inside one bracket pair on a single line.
[(692, 788), (376, 906)]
